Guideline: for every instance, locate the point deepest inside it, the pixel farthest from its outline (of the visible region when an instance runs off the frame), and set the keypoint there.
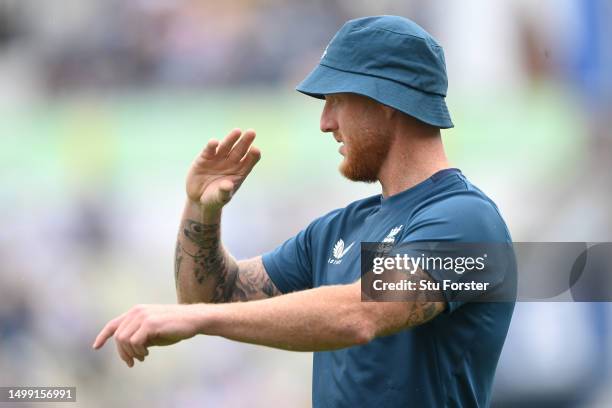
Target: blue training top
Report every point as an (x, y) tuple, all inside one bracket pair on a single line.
[(447, 362)]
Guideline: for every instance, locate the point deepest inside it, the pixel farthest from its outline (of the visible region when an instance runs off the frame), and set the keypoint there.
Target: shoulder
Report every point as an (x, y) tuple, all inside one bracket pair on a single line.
[(463, 214), (353, 211)]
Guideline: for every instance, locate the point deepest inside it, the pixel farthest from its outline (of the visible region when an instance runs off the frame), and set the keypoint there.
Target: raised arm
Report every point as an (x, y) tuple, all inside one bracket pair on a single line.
[(204, 270)]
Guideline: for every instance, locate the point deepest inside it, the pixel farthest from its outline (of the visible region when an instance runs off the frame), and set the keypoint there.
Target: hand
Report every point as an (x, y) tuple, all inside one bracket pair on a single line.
[(219, 170), (149, 325)]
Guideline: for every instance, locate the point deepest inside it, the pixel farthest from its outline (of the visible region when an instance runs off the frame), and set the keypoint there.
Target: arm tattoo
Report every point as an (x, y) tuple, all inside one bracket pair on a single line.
[(425, 306), (199, 249), (214, 268), (417, 306), (253, 282), (226, 285), (178, 258), (208, 259)]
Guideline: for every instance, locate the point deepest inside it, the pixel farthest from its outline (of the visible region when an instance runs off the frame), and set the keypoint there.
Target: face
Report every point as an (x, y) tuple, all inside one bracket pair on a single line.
[(360, 124)]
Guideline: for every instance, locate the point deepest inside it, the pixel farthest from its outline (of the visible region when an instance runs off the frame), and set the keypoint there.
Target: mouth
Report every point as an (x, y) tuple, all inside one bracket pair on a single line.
[(342, 148)]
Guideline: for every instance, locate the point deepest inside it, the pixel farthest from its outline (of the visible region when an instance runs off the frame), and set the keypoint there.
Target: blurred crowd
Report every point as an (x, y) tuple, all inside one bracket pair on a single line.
[(79, 244), (169, 43)]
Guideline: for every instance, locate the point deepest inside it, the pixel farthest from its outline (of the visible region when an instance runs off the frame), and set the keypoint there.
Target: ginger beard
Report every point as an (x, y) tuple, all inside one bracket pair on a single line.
[(364, 155)]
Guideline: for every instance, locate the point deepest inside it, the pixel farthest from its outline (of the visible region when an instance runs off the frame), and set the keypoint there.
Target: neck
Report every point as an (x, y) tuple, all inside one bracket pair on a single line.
[(413, 157)]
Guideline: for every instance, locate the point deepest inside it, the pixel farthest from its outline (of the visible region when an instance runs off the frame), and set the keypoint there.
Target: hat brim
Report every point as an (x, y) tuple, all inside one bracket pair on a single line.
[(427, 107)]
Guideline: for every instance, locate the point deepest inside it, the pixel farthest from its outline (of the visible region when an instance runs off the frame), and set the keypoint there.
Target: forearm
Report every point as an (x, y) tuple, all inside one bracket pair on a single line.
[(204, 270), (325, 318)]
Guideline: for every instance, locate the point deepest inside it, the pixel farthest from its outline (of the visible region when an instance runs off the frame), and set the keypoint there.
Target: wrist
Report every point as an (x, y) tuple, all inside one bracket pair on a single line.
[(204, 317), (204, 214)]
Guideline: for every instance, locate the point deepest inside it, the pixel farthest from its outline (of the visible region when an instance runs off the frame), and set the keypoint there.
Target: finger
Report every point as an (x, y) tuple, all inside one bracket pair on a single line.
[(139, 346), (226, 144), (250, 160), (107, 331), (210, 150), (127, 352), (242, 145), (141, 351), (124, 355), (124, 334), (141, 337)]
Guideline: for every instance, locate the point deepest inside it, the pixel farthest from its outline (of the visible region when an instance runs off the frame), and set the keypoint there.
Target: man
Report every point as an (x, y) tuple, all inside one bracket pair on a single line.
[(383, 80)]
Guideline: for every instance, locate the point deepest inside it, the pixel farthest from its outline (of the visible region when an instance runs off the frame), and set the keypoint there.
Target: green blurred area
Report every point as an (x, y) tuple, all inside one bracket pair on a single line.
[(135, 138)]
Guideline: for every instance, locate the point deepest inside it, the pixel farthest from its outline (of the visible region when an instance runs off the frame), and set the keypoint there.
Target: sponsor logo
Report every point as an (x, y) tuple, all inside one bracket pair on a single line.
[(339, 251)]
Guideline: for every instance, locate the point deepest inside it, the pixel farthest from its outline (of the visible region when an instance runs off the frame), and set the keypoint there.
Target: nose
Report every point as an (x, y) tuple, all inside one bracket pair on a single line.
[(328, 121)]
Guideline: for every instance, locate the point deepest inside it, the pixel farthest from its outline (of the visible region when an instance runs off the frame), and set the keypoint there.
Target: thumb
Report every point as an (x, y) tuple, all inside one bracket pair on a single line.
[(226, 188)]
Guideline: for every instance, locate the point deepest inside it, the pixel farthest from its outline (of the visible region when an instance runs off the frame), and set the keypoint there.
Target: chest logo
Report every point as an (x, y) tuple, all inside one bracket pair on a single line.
[(338, 252), (390, 238)]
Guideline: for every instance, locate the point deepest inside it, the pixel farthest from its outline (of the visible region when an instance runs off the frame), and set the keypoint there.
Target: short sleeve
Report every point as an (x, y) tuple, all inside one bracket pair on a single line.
[(289, 265), (449, 232)]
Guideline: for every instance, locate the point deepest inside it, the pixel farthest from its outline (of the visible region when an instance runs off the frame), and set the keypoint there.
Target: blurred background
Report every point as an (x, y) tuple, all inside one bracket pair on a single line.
[(103, 105)]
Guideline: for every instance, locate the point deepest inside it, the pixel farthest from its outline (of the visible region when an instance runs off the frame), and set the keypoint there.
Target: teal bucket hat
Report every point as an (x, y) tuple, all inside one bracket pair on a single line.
[(390, 59)]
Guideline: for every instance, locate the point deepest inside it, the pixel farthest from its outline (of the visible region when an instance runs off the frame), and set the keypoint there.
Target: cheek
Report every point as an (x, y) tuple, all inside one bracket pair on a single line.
[(353, 126)]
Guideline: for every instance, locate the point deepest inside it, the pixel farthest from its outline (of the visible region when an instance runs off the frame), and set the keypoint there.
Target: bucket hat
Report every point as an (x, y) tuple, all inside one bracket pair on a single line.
[(390, 59)]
